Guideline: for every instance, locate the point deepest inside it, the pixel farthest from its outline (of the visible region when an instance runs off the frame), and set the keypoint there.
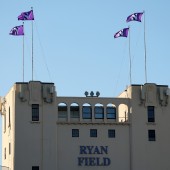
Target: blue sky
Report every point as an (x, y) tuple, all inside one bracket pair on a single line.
[(74, 45)]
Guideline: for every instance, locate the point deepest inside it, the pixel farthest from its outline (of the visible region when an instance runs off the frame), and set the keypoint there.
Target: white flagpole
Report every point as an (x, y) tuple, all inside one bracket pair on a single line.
[(23, 52), (145, 49), (130, 62), (32, 52)]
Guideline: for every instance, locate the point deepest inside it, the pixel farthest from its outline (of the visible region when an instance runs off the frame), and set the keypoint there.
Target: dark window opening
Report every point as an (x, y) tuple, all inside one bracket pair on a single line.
[(111, 112), (62, 111), (151, 114), (35, 167), (93, 132), (111, 133), (35, 112), (4, 153), (99, 112), (75, 132), (74, 112), (87, 112), (151, 135)]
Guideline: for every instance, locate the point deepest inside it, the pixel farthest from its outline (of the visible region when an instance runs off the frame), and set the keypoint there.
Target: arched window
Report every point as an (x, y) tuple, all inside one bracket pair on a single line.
[(99, 111), (123, 113), (62, 110), (74, 110), (111, 111), (87, 111)]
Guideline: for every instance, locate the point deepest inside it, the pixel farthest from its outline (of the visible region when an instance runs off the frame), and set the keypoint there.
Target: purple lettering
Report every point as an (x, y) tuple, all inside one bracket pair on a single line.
[(83, 150)]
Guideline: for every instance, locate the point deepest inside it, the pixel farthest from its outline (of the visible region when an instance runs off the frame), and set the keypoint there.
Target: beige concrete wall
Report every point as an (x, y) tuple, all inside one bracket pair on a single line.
[(149, 155), (8, 128), (68, 147), (35, 140)]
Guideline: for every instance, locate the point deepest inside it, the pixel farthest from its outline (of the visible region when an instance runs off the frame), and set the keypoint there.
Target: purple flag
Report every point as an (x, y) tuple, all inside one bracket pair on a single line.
[(122, 33), (26, 15), (18, 30), (135, 17)]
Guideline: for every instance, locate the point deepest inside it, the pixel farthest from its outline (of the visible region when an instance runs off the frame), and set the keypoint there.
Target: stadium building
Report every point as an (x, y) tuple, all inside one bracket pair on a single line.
[(43, 131)]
